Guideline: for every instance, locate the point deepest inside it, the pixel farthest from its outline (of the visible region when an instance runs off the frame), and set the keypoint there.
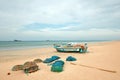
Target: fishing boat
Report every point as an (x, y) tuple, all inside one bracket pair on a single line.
[(70, 47)]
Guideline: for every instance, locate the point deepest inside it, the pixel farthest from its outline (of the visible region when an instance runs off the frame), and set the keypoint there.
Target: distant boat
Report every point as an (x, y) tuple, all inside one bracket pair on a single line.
[(17, 40)]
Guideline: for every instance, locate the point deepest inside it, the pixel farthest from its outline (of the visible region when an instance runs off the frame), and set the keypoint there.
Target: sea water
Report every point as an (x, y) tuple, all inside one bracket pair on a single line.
[(14, 45)]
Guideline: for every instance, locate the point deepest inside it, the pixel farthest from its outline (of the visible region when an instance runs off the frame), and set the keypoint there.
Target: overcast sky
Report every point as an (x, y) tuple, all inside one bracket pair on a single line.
[(60, 19)]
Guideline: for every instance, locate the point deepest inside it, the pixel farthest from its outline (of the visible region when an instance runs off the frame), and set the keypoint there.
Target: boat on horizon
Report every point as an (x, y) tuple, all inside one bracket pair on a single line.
[(17, 40)]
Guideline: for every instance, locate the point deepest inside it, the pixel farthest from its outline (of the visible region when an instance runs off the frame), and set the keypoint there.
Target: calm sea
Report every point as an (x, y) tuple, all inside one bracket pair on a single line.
[(12, 45)]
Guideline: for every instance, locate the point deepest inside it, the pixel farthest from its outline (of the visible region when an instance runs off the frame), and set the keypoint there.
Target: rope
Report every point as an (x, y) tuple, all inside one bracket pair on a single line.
[(95, 68)]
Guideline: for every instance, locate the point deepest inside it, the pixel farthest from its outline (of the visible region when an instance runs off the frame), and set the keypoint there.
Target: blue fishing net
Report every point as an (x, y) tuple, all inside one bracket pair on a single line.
[(70, 58), (57, 66), (53, 58)]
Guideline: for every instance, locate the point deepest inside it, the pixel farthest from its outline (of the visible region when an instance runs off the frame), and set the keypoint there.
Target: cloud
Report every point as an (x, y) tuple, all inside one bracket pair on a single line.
[(51, 27), (26, 17), (93, 34)]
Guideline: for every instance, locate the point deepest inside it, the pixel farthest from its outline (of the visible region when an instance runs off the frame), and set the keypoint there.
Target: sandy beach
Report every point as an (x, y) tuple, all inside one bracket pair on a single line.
[(103, 55)]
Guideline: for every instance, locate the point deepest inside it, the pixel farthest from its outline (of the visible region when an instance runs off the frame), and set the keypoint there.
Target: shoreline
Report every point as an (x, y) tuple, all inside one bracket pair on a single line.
[(24, 47), (21, 47), (12, 54)]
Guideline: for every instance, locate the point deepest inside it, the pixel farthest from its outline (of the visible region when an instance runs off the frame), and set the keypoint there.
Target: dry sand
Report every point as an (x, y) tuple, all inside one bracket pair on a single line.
[(105, 55)]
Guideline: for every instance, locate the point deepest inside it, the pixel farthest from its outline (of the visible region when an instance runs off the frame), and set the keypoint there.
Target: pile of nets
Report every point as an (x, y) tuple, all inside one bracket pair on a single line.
[(30, 67)]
